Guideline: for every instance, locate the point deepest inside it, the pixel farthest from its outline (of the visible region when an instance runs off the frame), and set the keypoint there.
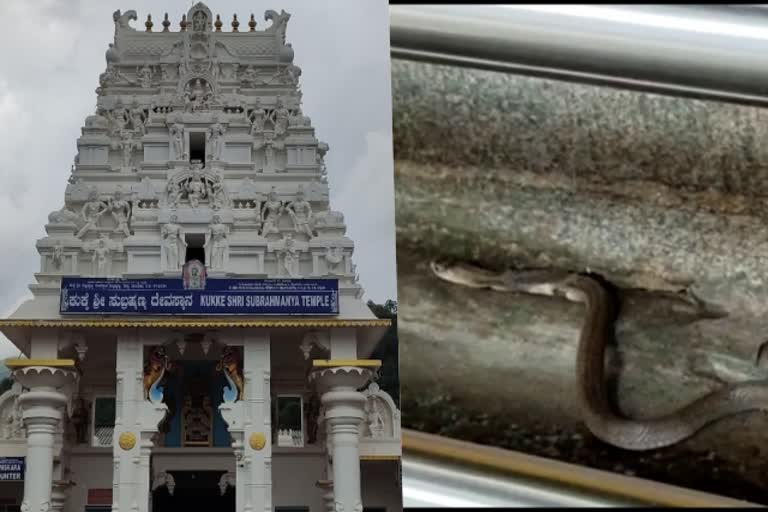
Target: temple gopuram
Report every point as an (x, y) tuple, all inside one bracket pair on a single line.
[(197, 336)]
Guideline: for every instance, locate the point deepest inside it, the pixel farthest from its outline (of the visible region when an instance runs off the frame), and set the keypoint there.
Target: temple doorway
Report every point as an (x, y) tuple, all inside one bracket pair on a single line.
[(194, 491)]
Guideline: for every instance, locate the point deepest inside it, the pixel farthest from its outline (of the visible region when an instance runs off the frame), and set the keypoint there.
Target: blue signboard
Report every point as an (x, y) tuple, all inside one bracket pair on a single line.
[(11, 469), (213, 297)]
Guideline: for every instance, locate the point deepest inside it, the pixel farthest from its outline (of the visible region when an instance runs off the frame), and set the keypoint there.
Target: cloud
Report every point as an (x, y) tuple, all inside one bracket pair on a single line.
[(368, 191)]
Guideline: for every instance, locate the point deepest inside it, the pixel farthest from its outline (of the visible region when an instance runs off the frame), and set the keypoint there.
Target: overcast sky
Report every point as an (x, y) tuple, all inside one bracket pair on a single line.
[(53, 52)]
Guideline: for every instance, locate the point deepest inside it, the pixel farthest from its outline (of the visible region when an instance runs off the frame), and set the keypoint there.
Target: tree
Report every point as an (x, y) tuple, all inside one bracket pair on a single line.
[(5, 384), (388, 350)]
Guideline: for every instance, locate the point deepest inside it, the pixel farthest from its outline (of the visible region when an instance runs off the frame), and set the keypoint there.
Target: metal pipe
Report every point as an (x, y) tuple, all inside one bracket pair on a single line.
[(703, 51), (444, 472)]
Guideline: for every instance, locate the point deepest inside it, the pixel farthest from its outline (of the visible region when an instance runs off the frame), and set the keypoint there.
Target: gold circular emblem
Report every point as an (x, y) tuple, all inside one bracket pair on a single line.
[(257, 440), (127, 440)]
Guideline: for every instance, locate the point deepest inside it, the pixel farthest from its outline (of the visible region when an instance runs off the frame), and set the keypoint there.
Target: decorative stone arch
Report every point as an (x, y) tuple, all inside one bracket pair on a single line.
[(206, 174), (196, 10), (383, 416), (11, 426), (191, 78)]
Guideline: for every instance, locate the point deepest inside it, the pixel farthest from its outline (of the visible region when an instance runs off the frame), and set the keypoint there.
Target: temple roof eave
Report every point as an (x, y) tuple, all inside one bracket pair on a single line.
[(191, 322)]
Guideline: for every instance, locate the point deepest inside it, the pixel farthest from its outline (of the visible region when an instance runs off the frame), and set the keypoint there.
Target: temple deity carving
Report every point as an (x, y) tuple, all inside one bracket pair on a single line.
[(249, 76), (128, 144), (92, 211), (301, 213), (217, 244), (177, 139), (145, 76), (197, 96), (280, 117), (334, 259), (174, 244), (103, 250), (121, 212), (219, 198), (216, 137), (271, 212), (231, 366), (196, 188), (257, 117), (289, 255)]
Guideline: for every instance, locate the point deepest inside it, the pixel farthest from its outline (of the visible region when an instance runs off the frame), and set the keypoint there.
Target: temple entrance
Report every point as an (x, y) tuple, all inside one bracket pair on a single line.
[(194, 491)]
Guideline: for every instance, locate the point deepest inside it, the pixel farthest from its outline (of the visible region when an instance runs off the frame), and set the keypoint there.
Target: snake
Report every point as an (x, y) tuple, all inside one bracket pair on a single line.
[(597, 411)]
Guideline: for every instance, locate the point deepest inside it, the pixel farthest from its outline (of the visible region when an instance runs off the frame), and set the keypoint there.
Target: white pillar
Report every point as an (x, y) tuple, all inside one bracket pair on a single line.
[(42, 406), (135, 424), (344, 412), (249, 424)]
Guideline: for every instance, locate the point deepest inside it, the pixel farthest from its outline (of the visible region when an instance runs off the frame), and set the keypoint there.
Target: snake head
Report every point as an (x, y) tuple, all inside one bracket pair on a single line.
[(440, 266), (568, 288)]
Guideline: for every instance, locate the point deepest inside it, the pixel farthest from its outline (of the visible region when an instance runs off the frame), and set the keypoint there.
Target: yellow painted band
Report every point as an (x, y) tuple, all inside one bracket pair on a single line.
[(333, 363), (379, 457), (23, 363), (509, 462), (197, 323)]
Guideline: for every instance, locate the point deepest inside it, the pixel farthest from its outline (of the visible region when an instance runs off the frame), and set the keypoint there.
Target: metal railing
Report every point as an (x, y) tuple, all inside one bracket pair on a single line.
[(443, 472), (703, 51)]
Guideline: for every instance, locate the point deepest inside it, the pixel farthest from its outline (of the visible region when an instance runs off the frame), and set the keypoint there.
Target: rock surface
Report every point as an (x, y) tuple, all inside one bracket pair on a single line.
[(656, 194)]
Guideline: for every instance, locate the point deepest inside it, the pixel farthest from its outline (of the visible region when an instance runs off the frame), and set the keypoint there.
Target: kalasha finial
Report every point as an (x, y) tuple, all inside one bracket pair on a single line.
[(183, 23), (149, 23), (252, 23), (235, 23), (218, 23), (166, 23)]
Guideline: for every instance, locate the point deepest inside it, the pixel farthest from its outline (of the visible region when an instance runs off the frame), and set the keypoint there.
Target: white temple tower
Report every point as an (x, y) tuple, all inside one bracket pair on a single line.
[(197, 334)]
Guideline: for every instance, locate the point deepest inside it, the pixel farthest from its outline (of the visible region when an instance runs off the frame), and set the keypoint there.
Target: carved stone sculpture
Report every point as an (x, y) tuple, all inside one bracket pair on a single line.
[(121, 212), (91, 213), (270, 214), (301, 213), (63, 216), (174, 244), (196, 189), (145, 76), (217, 244), (299, 120), (102, 250), (173, 193), (334, 259), (218, 194), (216, 133), (13, 427), (376, 423), (322, 150), (279, 23), (197, 96), (177, 141), (230, 364), (199, 21), (257, 118), (80, 419), (57, 257), (289, 256), (280, 117), (138, 117), (127, 144), (249, 76)]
